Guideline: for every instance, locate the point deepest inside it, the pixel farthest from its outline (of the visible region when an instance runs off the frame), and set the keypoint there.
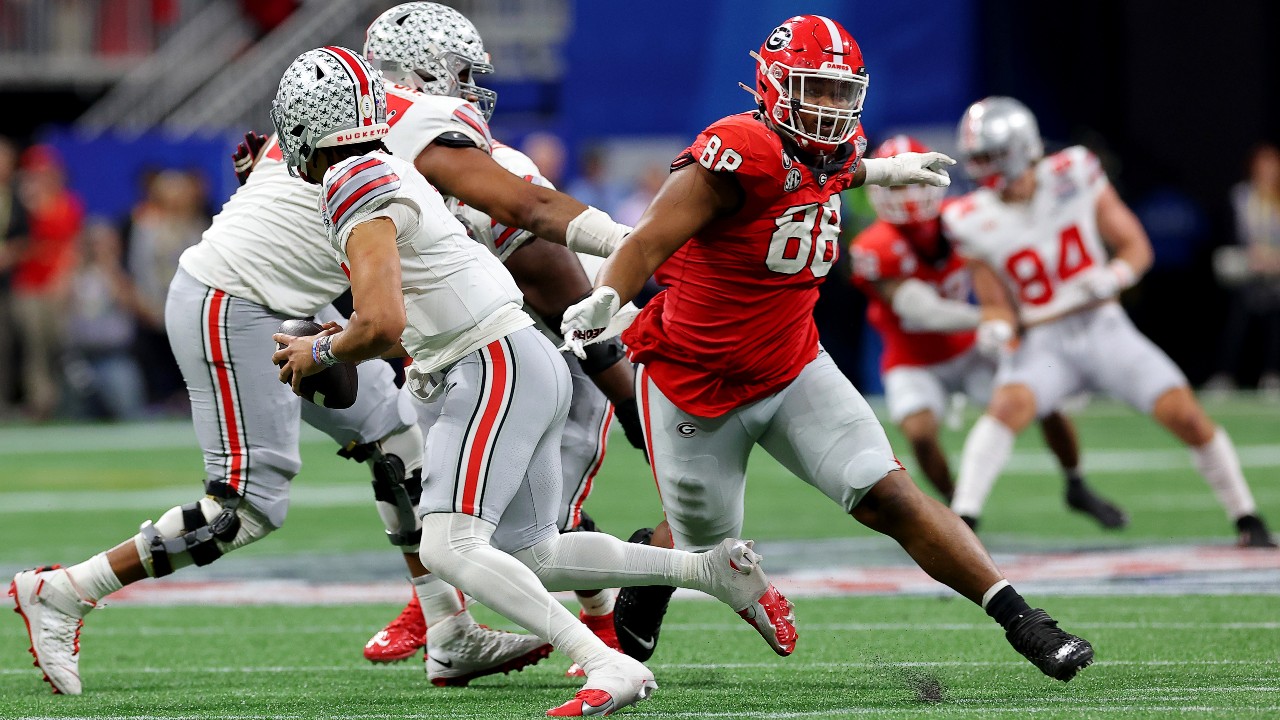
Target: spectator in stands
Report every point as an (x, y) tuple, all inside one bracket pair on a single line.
[(42, 275), (1256, 203), (102, 309), (592, 186), (170, 219), (13, 239), (546, 150), (647, 185)]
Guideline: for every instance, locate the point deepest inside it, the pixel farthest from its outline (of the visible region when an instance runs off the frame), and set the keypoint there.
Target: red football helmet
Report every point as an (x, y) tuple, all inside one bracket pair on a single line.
[(811, 82), (906, 204)]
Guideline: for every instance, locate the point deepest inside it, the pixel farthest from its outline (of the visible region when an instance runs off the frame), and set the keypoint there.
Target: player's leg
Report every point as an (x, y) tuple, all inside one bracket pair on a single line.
[(246, 422), (825, 432), (1034, 377), (582, 450), (1060, 435), (917, 398), (1134, 370)]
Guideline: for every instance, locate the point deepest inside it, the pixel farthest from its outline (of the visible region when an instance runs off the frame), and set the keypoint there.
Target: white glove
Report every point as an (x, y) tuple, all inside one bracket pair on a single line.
[(1109, 280), (585, 321), (909, 168), (993, 337)]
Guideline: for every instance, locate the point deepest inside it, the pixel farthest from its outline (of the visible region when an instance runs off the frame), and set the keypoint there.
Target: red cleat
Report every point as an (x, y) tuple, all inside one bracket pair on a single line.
[(401, 638), (622, 681)]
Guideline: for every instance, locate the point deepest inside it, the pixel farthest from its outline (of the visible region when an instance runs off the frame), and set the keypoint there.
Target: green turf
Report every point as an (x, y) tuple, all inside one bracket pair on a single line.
[(66, 493), (1159, 657)]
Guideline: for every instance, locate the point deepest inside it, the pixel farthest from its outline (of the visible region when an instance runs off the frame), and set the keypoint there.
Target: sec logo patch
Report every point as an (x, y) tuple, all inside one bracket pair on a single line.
[(793, 180)]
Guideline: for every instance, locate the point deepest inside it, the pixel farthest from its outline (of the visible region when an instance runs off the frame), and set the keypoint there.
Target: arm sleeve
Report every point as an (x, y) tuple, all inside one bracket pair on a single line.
[(921, 309)]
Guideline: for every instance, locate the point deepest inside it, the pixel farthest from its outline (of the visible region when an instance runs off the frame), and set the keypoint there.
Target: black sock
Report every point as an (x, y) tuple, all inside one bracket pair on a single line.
[(1007, 606), (1074, 479)]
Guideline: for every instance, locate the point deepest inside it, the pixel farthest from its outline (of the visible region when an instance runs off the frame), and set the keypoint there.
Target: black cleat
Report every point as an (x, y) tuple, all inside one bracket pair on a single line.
[(638, 611), (1057, 653), (1082, 499), (1253, 533)]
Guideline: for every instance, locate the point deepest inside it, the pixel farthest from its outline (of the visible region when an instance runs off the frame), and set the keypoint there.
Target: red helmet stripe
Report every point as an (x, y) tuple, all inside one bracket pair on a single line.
[(356, 70), (837, 44)]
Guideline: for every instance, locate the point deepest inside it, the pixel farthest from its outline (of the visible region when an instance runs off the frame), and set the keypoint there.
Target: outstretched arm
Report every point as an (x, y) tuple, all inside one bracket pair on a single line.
[(472, 176)]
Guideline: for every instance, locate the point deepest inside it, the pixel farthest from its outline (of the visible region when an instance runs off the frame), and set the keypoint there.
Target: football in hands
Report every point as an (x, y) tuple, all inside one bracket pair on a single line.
[(334, 387)]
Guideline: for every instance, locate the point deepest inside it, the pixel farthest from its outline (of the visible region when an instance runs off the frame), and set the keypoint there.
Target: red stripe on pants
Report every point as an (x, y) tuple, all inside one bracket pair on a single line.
[(576, 516), (235, 474), (488, 421)]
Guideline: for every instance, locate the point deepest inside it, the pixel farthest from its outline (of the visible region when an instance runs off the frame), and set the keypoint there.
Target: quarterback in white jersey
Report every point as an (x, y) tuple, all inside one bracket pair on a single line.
[(491, 188), (1051, 245), (492, 474)]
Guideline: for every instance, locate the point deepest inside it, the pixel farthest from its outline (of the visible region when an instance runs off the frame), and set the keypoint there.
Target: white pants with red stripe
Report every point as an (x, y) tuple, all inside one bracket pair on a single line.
[(494, 449), (582, 446), (819, 427), (246, 420)]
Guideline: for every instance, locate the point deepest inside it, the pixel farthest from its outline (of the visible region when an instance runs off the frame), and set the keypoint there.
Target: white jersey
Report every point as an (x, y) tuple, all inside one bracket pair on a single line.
[(268, 245), (457, 296), (1041, 248), (500, 239)]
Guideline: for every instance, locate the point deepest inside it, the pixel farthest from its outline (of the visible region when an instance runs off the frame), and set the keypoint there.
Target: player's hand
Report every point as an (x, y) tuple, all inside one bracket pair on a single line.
[(994, 337), (296, 359), (246, 155), (909, 168), (628, 414), (1109, 280), (585, 321)]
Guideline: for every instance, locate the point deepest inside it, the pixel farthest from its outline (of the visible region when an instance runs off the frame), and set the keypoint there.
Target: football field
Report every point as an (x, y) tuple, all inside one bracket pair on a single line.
[(1184, 624)]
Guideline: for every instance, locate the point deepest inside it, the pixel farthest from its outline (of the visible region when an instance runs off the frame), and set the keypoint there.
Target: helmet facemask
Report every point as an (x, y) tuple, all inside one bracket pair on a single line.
[(906, 204), (449, 74), (820, 108)]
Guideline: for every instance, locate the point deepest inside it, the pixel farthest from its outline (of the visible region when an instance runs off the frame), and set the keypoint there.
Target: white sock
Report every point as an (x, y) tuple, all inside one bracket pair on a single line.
[(94, 578), (564, 562), (599, 604), (1218, 463), (438, 599), (986, 451), (456, 547)]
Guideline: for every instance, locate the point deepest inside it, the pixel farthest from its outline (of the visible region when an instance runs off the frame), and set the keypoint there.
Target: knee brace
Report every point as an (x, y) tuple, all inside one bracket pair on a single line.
[(198, 533), (396, 465)]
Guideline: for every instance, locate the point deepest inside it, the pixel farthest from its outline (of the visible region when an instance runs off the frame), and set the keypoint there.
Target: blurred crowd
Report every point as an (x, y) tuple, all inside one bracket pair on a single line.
[(82, 297)]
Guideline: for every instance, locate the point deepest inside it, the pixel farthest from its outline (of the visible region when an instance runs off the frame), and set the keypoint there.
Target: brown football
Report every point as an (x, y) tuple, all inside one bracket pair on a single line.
[(334, 387)]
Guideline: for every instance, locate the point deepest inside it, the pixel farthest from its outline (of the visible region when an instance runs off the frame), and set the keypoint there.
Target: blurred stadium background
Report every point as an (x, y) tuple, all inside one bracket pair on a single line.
[(120, 117), (140, 102)]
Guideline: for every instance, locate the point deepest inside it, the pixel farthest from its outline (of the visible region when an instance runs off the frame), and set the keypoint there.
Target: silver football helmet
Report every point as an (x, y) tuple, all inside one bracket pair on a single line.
[(999, 140), (328, 96), (432, 48)]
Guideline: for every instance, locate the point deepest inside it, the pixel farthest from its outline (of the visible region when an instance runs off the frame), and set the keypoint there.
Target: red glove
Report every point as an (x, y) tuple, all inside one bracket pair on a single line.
[(246, 155)]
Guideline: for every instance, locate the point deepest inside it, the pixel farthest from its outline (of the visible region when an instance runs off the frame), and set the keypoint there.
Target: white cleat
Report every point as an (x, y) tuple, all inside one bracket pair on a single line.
[(738, 581), (621, 682), (53, 613), (459, 651)]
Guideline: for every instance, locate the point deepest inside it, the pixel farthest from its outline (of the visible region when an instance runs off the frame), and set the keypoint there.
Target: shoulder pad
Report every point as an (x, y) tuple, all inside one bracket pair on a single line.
[(356, 184)]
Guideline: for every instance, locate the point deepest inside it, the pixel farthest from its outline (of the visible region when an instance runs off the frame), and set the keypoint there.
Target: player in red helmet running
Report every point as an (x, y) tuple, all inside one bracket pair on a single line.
[(742, 234)]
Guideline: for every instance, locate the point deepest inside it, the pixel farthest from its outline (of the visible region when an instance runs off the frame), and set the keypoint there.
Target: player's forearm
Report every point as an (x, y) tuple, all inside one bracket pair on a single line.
[(922, 309), (627, 269), (617, 382), (369, 334)]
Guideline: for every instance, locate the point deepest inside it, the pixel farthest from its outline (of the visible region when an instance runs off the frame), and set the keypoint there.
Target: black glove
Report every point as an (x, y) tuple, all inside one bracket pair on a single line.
[(628, 414), (246, 155)]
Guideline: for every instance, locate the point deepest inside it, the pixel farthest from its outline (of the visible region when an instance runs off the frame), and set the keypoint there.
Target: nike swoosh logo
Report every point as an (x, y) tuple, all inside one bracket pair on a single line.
[(646, 644), (442, 663)]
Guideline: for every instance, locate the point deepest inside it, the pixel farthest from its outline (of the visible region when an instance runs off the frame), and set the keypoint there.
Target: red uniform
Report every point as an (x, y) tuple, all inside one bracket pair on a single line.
[(735, 323), (883, 252)]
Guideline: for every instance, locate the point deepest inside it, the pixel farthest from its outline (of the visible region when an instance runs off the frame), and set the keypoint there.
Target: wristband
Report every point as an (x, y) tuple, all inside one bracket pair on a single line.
[(322, 351), (1124, 272), (595, 233)]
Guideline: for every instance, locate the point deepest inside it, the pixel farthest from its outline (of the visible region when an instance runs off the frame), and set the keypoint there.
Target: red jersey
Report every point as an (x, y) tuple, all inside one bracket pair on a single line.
[(882, 252), (735, 323)]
